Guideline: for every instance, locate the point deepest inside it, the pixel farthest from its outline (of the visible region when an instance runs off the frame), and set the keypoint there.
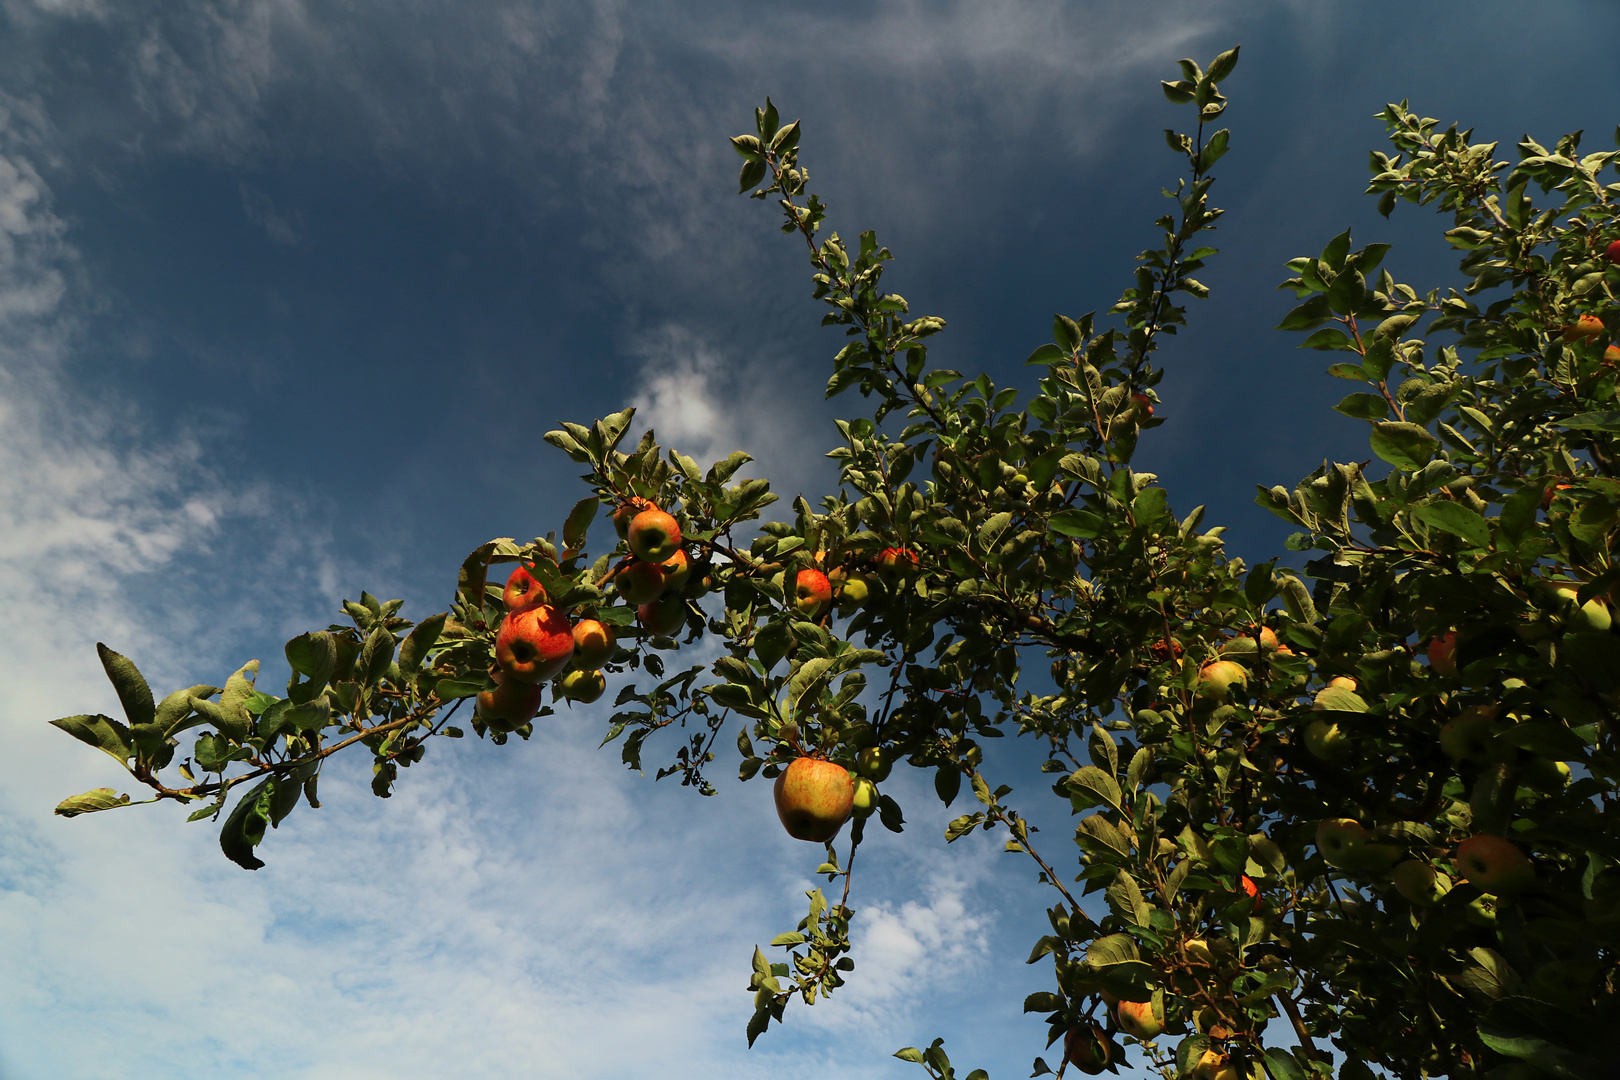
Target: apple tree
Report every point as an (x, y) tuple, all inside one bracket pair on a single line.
[(1360, 786)]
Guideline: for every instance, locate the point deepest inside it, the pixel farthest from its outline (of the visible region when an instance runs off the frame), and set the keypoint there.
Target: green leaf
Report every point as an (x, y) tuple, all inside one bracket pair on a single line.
[(313, 655), (788, 939), (419, 641), (1042, 1001), (579, 520), (1313, 312), (750, 176), (1090, 780), (174, 711), (1223, 64), (1327, 338), (1457, 519), (1077, 523), (102, 732), (911, 1054), (245, 826), (1592, 421), (992, 529), (1364, 407), (101, 798), (451, 689), (1406, 446), (1047, 354), (1336, 250), (133, 693)]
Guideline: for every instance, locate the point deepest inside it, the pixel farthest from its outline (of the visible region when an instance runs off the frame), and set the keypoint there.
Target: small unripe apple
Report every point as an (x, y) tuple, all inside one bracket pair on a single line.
[(1418, 882), (1325, 741), (511, 704), (1086, 1048), (1591, 616), (812, 593), (814, 798), (535, 644), (663, 618), (1216, 678), (1494, 865), (522, 591), (640, 582), (1584, 328), (866, 797), (654, 535), (874, 762), (1442, 653), (623, 516), (853, 593), (1346, 844), (1468, 737), (582, 686), (677, 570), (1139, 1019), (594, 643), (1481, 911)]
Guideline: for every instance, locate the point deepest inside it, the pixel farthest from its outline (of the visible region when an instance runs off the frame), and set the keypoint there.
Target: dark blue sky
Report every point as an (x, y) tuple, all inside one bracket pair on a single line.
[(291, 291)]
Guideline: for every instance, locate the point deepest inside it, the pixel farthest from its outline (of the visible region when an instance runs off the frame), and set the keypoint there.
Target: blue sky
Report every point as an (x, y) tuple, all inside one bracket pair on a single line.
[(289, 292)]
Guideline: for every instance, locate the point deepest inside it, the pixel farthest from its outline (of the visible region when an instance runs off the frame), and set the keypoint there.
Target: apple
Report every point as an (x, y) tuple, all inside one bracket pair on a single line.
[(814, 798), (663, 618), (866, 797), (1584, 328), (1611, 355), (1345, 844), (1545, 775), (641, 582), (1325, 740), (1209, 1063), (1481, 911), (894, 560), (522, 591), (654, 535), (1342, 682), (1593, 615), (1228, 1071), (812, 593), (1198, 949), (1443, 654), (677, 571), (1493, 865), (1144, 405), (581, 685), (535, 644), (1612, 252), (624, 515), (1419, 883), (510, 705), (854, 592), (1138, 1018), (1467, 738), (594, 643), (1086, 1048), (1216, 678), (874, 762)]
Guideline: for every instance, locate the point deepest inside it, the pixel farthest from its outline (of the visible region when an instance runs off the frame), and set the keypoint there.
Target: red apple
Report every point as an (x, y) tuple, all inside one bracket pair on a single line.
[(1138, 1018), (594, 643), (1467, 738), (641, 582), (1143, 404), (1443, 654), (1493, 865), (663, 618), (535, 644), (1216, 679), (677, 570), (812, 593), (1612, 252), (1584, 328), (654, 535), (894, 560), (511, 704), (1611, 354), (814, 798), (1086, 1048), (523, 591), (582, 686)]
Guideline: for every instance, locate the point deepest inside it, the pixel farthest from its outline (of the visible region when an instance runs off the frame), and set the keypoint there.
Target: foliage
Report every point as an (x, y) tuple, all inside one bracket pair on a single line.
[(1412, 683)]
